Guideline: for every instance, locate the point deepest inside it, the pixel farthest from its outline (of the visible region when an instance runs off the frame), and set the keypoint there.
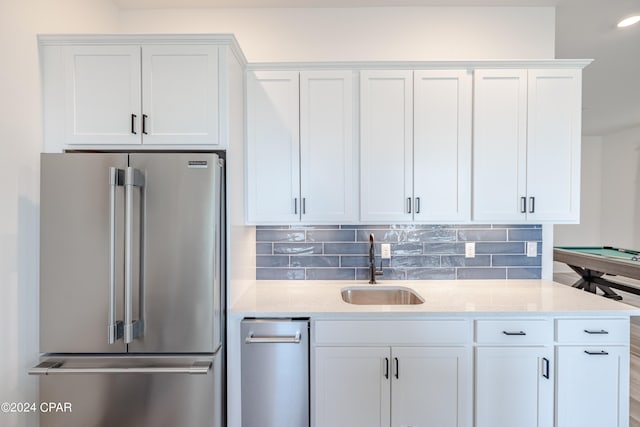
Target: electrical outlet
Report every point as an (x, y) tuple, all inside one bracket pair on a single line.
[(532, 249), (470, 250), (385, 250)]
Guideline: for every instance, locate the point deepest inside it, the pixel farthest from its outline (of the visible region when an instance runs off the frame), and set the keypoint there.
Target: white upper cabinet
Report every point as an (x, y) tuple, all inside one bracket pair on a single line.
[(273, 147), (141, 95), (415, 145), (499, 144), (386, 145), (327, 159), (526, 147), (117, 91), (301, 164), (442, 145), (180, 94), (102, 95), (553, 145)]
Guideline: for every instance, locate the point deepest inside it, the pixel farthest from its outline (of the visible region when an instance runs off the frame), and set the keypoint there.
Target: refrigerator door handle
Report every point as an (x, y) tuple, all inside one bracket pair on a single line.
[(57, 367), (132, 329), (115, 327)]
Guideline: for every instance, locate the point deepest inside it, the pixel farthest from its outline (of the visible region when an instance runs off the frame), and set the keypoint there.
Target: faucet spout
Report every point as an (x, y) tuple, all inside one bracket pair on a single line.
[(373, 272)]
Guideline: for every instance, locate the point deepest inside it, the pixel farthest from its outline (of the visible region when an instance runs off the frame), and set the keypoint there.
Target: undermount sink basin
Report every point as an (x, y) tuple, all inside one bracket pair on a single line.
[(380, 295)]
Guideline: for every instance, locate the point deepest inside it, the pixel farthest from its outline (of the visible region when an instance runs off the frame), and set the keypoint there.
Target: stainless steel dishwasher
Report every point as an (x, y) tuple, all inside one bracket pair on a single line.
[(275, 373)]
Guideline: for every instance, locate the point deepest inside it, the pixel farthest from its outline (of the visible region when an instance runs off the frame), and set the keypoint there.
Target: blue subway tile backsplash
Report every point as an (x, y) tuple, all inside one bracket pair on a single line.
[(418, 252)]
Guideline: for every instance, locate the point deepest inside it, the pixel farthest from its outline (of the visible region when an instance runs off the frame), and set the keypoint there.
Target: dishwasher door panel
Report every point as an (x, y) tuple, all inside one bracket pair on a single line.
[(275, 373)]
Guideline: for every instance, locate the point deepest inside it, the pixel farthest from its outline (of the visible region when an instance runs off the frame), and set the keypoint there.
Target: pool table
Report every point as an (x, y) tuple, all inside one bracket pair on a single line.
[(593, 262)]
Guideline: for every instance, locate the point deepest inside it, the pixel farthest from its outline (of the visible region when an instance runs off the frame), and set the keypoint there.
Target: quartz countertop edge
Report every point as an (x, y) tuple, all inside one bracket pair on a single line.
[(443, 298)]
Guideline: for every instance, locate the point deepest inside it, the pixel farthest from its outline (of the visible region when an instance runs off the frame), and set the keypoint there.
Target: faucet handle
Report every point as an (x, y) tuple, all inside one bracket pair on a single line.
[(379, 272)]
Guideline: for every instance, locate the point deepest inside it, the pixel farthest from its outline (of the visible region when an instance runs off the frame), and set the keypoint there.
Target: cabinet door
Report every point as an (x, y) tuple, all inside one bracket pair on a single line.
[(326, 147), (604, 375), (499, 145), (430, 387), (273, 147), (180, 94), (442, 145), (102, 95), (386, 128), (514, 387), (352, 387), (553, 145)]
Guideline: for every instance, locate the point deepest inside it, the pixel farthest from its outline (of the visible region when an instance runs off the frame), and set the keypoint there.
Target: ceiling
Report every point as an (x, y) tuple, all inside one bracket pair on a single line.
[(584, 29)]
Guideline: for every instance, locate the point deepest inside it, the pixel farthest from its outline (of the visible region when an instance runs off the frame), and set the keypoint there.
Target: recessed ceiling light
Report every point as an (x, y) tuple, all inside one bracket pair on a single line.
[(629, 21)]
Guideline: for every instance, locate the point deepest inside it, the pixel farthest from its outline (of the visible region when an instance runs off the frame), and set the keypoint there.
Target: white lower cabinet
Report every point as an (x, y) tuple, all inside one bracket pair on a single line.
[(428, 386), (420, 378), (391, 386), (592, 373), (514, 387), (351, 387), (596, 373), (516, 372)]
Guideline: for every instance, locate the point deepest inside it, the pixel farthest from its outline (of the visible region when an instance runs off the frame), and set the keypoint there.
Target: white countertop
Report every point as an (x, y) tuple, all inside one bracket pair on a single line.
[(275, 298)]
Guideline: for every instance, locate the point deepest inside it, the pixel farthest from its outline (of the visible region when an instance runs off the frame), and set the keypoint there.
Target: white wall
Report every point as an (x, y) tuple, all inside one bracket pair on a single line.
[(345, 34), (621, 189), (589, 231), (610, 206), (20, 144)]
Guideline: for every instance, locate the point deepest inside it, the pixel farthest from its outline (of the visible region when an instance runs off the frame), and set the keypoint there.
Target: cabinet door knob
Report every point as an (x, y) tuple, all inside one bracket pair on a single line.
[(523, 205), (532, 204), (133, 124), (417, 205), (144, 124), (408, 204), (596, 353)]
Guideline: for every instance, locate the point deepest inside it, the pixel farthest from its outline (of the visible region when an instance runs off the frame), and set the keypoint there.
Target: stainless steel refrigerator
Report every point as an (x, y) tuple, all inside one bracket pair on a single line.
[(132, 289)]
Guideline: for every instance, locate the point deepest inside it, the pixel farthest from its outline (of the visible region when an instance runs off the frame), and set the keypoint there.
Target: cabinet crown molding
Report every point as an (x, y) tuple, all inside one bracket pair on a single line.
[(422, 65), (147, 39)]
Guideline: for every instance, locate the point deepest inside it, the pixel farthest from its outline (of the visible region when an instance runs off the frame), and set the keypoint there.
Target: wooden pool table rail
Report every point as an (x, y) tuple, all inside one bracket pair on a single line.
[(591, 268)]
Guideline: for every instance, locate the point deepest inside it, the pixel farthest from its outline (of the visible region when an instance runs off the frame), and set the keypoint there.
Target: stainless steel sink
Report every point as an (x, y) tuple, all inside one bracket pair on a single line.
[(380, 295)]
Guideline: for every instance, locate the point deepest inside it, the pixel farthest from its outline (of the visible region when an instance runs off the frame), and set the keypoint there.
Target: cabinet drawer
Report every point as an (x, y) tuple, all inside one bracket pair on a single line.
[(514, 331), (410, 332), (592, 331)]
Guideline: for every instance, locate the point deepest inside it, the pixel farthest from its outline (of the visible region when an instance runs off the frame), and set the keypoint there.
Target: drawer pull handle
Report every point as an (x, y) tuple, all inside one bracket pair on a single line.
[(600, 332), (512, 333), (596, 353)]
